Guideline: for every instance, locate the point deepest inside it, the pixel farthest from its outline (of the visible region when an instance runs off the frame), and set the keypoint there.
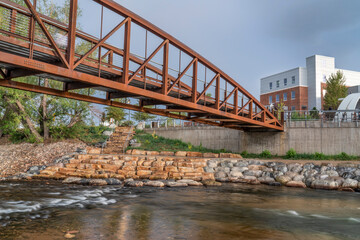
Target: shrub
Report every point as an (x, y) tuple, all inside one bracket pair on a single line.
[(343, 156), (291, 154), (319, 156), (244, 153), (266, 154)]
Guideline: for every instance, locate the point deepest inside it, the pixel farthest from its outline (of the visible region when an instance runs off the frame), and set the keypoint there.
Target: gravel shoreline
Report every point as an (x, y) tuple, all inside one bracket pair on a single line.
[(18, 158)]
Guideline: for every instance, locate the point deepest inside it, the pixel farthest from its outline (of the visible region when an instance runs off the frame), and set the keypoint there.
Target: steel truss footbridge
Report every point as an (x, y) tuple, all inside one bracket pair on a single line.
[(34, 44)]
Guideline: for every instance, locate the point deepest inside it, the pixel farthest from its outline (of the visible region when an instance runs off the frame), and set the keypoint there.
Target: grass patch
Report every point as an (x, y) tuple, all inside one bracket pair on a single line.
[(153, 142)]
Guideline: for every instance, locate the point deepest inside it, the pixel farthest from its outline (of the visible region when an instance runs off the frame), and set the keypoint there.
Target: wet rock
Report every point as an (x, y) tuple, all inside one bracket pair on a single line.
[(297, 184), (220, 175), (176, 184), (256, 173), (350, 183), (308, 181), (339, 180), (295, 167), (97, 182), (209, 169), (212, 163), (348, 175), (324, 184), (277, 174), (72, 180), (211, 183), (256, 162), (266, 180), (308, 166), (298, 178), (190, 182), (310, 173), (113, 181), (225, 179), (270, 164), (332, 173), (241, 164), (323, 176), (346, 189), (281, 167), (134, 183), (283, 179), (357, 172), (236, 174), (291, 174), (226, 164), (222, 169), (268, 174), (154, 184)]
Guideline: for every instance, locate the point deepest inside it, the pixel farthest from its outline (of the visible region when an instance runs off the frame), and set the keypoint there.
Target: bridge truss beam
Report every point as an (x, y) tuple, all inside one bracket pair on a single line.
[(27, 54)]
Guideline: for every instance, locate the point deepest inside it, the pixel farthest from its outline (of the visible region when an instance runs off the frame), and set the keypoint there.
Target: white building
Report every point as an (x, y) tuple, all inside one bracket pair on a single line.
[(303, 88)]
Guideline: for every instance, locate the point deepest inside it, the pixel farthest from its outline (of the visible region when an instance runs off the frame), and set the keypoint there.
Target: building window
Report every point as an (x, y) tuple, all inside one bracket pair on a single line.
[(285, 97), (292, 94), (277, 98), (270, 85), (270, 99), (285, 81), (324, 78), (293, 79), (277, 84), (292, 108)]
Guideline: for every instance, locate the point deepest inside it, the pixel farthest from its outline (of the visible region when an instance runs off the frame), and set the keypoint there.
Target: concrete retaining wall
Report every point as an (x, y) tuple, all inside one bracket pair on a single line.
[(303, 140)]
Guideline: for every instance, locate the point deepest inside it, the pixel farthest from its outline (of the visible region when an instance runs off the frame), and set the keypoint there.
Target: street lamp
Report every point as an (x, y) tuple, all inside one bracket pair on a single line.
[(128, 102)]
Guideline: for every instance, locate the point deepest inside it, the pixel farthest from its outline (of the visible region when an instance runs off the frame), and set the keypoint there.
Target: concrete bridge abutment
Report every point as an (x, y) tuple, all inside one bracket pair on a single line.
[(327, 140)]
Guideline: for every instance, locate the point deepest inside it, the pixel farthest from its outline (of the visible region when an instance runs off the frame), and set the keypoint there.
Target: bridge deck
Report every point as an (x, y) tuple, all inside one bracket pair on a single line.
[(32, 44)]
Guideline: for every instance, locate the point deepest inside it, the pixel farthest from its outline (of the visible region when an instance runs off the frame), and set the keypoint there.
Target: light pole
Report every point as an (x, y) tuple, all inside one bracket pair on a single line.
[(128, 102)]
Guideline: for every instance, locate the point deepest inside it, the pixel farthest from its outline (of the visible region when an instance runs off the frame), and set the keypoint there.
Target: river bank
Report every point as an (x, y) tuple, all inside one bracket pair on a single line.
[(137, 168)]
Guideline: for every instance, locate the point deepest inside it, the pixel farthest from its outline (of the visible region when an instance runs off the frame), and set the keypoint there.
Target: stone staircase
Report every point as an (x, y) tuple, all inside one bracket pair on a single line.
[(119, 140)]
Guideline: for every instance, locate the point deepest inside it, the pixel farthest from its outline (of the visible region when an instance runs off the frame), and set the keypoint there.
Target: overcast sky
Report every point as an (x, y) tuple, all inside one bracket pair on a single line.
[(251, 39)]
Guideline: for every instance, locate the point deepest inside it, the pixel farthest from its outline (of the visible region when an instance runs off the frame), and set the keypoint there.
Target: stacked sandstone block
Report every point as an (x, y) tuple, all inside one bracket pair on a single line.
[(150, 166)]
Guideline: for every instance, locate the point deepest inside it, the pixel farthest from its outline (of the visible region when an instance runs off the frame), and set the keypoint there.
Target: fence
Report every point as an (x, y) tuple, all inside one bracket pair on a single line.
[(312, 118)]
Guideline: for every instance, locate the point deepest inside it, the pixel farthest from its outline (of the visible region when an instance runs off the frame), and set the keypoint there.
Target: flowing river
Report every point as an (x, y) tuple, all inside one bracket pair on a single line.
[(40, 210)]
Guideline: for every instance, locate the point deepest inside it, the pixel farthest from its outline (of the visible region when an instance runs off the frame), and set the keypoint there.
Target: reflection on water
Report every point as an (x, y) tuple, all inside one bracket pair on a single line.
[(42, 211)]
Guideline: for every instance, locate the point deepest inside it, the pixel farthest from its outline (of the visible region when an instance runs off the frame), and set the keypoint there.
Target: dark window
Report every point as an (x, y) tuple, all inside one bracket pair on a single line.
[(293, 79)]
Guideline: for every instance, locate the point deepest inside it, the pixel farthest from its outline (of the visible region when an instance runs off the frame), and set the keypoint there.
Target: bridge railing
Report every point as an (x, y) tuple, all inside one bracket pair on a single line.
[(323, 118)]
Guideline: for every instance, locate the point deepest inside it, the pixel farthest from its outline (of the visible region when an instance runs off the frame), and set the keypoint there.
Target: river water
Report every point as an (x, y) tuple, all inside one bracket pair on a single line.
[(40, 210)]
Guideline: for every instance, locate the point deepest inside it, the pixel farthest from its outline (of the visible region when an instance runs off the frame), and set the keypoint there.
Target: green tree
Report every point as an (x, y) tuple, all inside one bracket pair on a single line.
[(118, 114), (141, 116), (335, 89)]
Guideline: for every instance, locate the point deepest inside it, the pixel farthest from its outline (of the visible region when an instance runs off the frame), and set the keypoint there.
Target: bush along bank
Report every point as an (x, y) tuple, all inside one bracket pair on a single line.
[(293, 155)]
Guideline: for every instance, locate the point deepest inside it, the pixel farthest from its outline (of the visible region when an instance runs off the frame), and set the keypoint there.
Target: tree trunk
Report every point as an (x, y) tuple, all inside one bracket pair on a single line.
[(44, 121), (25, 119), (7, 111)]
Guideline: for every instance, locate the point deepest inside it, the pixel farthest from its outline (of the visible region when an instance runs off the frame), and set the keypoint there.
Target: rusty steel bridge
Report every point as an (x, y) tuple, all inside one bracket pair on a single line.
[(30, 46)]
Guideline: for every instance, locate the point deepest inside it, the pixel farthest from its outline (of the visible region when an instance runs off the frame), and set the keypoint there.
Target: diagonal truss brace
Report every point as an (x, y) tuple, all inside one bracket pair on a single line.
[(101, 42), (47, 34), (148, 59), (181, 75), (227, 98)]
